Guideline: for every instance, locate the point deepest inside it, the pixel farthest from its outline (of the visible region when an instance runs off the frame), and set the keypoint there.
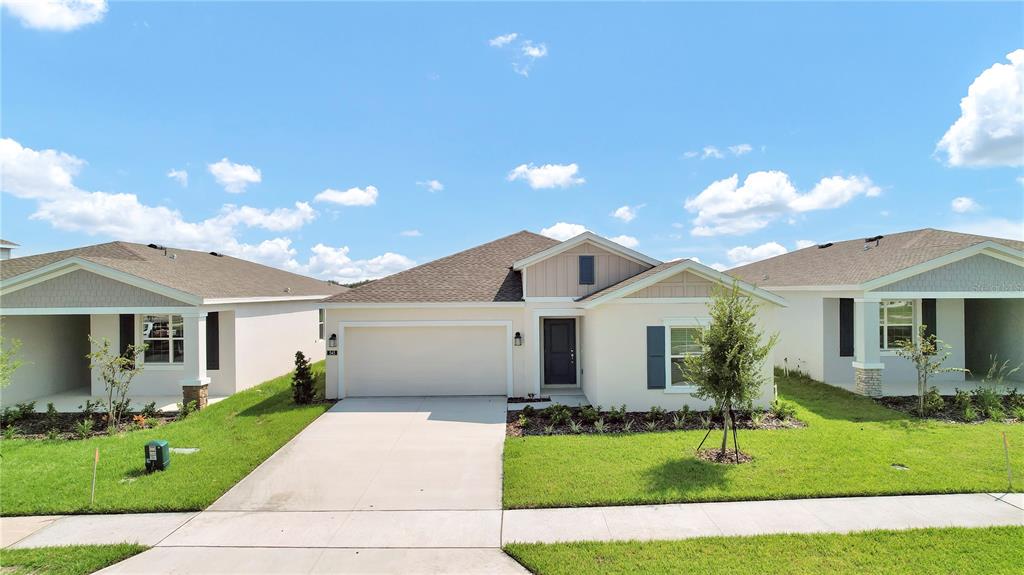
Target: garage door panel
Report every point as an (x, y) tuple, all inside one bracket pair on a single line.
[(448, 360)]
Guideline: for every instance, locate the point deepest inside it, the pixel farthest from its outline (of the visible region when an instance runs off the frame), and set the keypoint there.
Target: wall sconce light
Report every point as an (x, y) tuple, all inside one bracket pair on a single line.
[(332, 342), (518, 339)]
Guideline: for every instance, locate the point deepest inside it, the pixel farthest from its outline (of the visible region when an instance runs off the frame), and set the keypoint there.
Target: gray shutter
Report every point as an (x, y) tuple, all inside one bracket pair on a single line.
[(213, 340), (126, 332), (655, 357), (846, 327), (587, 270), (928, 317)]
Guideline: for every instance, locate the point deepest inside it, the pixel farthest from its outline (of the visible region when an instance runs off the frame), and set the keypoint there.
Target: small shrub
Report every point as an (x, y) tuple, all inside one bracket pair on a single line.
[(83, 428), (51, 414), (557, 414), (1013, 399), (148, 410), (139, 421), (988, 402), (599, 426), (529, 410), (968, 414), (19, 411), (10, 431), (617, 414), (90, 408), (523, 421), (678, 421), (628, 427), (53, 434), (961, 400), (1018, 414), (186, 409), (705, 421), (933, 402), (303, 387), (757, 418), (575, 426), (589, 414), (783, 410), (651, 425), (683, 413), (549, 429), (656, 413)]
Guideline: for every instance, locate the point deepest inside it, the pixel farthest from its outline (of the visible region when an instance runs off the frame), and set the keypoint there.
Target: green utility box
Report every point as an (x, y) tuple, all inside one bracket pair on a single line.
[(158, 455)]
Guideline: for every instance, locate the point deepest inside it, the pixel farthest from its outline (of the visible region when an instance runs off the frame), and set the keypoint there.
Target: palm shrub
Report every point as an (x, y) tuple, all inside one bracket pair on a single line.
[(728, 371), (303, 388), (927, 353)]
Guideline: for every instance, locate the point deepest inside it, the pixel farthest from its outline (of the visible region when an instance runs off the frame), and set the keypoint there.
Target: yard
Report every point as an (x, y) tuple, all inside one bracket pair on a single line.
[(233, 437), (988, 551), (851, 446), (70, 560)]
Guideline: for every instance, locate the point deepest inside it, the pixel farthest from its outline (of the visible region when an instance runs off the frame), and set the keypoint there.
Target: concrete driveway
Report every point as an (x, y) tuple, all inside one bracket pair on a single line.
[(383, 485)]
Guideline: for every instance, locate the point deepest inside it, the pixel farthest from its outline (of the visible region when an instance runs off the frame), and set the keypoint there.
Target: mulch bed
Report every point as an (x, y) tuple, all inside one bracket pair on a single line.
[(948, 414), (728, 458), (62, 425), (528, 399), (632, 422)]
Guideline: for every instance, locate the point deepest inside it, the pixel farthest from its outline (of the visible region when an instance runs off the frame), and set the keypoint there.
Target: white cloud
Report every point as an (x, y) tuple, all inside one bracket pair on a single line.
[(503, 40), (534, 51), (740, 149), (691, 154), (180, 176), (726, 207), (547, 176), (990, 130), (335, 263), (411, 233), (712, 152), (276, 220), (742, 255), (627, 241), (33, 174), (626, 213), (351, 197), (717, 266), (562, 231), (996, 227), (963, 204), (234, 177), (1020, 180), (431, 185), (801, 244), (60, 15)]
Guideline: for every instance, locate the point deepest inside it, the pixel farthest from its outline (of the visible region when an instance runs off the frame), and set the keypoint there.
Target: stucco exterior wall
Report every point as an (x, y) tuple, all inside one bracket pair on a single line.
[(994, 326), (53, 352), (683, 284), (222, 380), (153, 380), (803, 333), (978, 273), (558, 276), (616, 345), (81, 288), (267, 335)]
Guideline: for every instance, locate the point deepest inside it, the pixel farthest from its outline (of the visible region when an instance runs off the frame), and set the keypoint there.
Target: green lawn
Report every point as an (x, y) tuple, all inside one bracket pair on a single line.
[(988, 551), (70, 560), (848, 448), (233, 436)]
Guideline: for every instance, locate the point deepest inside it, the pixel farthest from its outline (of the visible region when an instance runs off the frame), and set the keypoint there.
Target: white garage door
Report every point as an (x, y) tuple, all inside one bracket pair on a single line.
[(425, 360)]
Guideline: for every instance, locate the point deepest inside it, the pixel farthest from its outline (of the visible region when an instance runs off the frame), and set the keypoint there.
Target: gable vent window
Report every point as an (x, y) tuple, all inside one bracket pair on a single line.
[(587, 270)]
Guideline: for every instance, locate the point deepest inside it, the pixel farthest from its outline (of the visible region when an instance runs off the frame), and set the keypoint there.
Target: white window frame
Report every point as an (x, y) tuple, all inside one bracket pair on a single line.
[(883, 323), (321, 323), (142, 339), (669, 324)]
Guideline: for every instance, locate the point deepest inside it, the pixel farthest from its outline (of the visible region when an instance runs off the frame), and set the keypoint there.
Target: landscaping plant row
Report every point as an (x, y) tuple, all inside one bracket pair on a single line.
[(558, 419), (21, 421), (980, 404)]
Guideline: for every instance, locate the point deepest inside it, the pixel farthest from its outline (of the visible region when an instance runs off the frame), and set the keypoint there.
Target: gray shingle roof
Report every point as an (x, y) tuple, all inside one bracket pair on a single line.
[(197, 273), (480, 274), (848, 263)]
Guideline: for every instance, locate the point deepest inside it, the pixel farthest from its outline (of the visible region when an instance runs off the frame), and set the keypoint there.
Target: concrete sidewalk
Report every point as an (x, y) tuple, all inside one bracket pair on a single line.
[(834, 515)]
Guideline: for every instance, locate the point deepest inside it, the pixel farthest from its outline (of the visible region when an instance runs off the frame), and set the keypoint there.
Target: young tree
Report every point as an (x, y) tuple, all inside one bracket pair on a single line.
[(9, 362), (728, 369), (927, 353), (302, 381), (117, 371)]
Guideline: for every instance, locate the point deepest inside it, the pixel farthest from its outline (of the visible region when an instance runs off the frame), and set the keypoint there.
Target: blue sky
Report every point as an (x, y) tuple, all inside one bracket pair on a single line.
[(314, 136)]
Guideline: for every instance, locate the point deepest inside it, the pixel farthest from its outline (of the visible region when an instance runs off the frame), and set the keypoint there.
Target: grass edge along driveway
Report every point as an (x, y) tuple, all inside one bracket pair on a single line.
[(988, 551), (42, 477), (850, 447), (65, 560)]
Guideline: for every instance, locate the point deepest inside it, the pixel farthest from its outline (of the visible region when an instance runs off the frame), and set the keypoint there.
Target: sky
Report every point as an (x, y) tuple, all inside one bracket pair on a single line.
[(351, 141)]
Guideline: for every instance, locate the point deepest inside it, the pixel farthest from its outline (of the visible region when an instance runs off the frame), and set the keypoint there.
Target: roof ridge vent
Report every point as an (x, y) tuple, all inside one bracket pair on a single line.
[(824, 245)]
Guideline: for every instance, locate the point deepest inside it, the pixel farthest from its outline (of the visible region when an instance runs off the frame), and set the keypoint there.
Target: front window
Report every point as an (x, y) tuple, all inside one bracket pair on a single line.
[(322, 314), (895, 323), (682, 343), (164, 337)]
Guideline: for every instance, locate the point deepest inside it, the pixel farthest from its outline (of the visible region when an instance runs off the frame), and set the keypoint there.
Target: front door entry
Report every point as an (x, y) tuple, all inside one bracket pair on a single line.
[(560, 351)]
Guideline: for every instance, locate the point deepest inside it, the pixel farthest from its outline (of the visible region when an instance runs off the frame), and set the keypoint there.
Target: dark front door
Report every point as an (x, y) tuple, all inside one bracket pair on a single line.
[(560, 351)]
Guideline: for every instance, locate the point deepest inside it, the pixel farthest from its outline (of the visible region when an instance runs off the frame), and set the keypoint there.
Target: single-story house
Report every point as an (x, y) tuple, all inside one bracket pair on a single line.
[(526, 314), (850, 303), (207, 320)]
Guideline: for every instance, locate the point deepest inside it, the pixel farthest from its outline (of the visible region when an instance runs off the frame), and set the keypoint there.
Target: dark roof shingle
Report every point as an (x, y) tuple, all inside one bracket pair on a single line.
[(480, 274)]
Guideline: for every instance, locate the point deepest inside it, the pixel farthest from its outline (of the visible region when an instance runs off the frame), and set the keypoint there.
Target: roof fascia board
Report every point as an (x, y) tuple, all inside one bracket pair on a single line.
[(74, 263), (231, 300), (185, 309), (988, 247), (583, 238), (413, 305)]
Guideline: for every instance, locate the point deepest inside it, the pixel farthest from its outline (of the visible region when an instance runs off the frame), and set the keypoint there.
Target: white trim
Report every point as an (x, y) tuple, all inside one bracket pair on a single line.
[(852, 287), (565, 299), (583, 238), (988, 248), (669, 388), (669, 323), (93, 310), (579, 361), (71, 264), (683, 266), (947, 295), (413, 305), (509, 344), (535, 336), (661, 300), (862, 365), (229, 300)]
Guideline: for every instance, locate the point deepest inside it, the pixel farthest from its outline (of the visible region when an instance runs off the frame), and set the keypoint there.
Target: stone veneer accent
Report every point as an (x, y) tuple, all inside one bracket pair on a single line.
[(197, 393), (867, 381)]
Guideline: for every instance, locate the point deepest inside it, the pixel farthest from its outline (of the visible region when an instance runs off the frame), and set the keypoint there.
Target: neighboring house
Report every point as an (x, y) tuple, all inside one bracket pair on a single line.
[(851, 302), (205, 317), (526, 314), (5, 249)]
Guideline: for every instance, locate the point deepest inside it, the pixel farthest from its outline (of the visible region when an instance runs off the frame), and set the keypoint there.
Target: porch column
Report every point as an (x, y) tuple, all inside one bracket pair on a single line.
[(867, 364), (195, 384)]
